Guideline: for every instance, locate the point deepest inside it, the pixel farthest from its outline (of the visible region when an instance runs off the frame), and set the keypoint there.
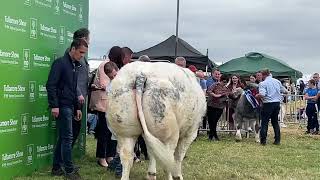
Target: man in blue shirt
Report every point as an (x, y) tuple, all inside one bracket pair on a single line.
[(214, 78), (311, 95), (270, 93), (315, 77)]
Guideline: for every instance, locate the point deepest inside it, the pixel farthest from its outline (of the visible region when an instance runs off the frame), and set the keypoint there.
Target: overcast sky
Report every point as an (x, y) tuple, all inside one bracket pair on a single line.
[(286, 29)]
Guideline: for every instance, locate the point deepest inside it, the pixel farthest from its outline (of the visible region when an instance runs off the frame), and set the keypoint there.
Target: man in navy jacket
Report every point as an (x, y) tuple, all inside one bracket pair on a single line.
[(64, 104)]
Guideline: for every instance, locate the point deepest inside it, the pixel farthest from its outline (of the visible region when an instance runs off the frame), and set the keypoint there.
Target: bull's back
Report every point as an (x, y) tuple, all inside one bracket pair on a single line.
[(173, 99), (171, 93)]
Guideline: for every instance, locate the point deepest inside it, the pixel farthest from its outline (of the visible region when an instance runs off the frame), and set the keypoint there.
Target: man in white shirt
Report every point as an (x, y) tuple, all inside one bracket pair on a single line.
[(270, 90)]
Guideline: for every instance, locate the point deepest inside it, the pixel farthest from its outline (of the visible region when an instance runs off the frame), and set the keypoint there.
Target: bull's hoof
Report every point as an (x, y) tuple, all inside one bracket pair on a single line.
[(151, 176), (238, 140), (177, 178)]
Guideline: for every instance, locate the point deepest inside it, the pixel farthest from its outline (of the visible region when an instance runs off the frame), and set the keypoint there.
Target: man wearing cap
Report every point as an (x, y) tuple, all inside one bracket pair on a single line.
[(180, 61), (200, 77)]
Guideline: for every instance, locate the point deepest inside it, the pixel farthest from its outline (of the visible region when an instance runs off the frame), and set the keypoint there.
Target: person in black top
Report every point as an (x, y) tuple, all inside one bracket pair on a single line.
[(82, 81), (63, 101)]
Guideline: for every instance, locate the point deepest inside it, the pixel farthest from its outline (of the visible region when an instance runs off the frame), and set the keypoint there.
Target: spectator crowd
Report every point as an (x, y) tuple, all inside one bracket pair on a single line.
[(70, 89)]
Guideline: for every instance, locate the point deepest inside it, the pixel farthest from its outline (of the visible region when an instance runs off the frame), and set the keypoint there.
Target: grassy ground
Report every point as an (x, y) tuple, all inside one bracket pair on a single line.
[(298, 157)]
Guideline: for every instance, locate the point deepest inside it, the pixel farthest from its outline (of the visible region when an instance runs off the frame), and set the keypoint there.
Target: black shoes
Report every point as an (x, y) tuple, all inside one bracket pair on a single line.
[(57, 172), (263, 143), (214, 138), (74, 175), (312, 132), (276, 143)]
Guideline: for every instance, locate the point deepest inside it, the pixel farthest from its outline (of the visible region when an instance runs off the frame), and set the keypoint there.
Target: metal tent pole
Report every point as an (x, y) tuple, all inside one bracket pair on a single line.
[(177, 30)]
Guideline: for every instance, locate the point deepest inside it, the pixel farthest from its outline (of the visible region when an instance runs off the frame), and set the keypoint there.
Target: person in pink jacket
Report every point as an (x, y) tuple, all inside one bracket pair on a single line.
[(106, 148)]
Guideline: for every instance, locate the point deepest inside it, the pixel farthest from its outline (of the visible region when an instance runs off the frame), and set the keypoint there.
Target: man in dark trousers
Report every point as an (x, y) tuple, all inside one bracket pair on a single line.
[(270, 90), (82, 83), (64, 104), (315, 77)]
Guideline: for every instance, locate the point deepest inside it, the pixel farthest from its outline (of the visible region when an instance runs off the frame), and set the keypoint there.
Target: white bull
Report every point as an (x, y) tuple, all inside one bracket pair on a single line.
[(170, 105)]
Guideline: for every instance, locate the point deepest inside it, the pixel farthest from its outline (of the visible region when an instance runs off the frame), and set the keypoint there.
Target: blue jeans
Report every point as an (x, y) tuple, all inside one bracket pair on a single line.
[(92, 120), (63, 149)]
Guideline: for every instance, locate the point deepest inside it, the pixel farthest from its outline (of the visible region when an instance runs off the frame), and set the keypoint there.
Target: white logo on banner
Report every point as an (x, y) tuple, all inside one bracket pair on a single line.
[(26, 59), (27, 2), (80, 13), (42, 91), (32, 91), (61, 35), (24, 123), (33, 28), (57, 7), (30, 152)]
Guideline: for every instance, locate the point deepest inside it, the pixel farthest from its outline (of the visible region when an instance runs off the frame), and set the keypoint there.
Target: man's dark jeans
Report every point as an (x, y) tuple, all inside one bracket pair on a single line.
[(312, 114), (63, 150), (270, 111)]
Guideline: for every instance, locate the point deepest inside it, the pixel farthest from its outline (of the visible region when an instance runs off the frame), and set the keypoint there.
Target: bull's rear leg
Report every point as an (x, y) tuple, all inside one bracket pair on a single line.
[(126, 146), (180, 152), (172, 148), (152, 169)]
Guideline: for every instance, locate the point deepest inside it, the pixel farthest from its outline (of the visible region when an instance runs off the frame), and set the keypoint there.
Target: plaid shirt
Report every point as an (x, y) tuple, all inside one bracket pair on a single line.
[(220, 102)]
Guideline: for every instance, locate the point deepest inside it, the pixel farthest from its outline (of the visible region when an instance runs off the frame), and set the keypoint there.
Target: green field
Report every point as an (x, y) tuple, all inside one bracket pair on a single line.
[(298, 157)]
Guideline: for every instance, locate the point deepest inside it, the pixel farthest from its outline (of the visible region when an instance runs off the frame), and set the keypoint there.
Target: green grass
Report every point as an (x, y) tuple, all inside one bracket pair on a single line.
[(298, 157)]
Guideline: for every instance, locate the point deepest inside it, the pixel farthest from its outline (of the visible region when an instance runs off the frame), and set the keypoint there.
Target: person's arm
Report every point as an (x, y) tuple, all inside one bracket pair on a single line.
[(52, 85), (313, 97), (103, 78), (212, 92), (52, 88), (203, 84), (79, 95), (306, 96), (262, 91)]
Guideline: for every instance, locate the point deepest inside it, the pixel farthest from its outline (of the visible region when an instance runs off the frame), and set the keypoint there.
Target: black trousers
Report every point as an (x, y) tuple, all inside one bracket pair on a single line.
[(105, 146), (76, 127), (312, 114), (270, 111), (214, 115), (141, 145)]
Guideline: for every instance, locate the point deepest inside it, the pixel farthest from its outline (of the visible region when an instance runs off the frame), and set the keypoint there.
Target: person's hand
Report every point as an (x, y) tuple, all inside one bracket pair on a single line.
[(55, 112), (78, 115), (81, 99), (215, 95), (258, 97)]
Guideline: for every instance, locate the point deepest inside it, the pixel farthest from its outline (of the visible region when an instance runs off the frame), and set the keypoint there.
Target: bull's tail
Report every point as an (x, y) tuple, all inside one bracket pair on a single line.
[(160, 151)]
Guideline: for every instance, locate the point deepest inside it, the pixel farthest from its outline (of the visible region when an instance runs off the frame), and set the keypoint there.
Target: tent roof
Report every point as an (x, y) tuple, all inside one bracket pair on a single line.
[(166, 50), (254, 62)]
